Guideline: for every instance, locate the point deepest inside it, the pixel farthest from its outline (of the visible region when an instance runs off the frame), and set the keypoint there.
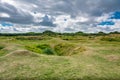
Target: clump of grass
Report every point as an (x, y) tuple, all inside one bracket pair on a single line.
[(33, 48), (63, 49), (2, 52), (1, 47), (48, 51)]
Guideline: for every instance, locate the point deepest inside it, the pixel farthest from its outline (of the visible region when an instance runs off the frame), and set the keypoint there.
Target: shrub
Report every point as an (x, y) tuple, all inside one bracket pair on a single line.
[(48, 51)]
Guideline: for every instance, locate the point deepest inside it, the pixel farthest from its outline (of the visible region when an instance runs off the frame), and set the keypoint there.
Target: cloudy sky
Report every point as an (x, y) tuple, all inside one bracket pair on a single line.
[(90, 16)]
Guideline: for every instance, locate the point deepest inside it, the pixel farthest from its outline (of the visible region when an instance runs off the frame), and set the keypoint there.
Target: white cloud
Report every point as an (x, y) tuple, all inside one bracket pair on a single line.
[(82, 19), (104, 17), (4, 15), (8, 1), (37, 16)]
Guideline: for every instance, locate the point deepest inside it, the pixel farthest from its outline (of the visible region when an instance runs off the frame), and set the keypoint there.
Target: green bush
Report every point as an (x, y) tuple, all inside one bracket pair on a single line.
[(48, 51)]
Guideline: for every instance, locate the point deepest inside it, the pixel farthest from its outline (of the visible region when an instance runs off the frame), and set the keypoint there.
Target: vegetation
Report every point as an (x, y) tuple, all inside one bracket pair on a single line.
[(1, 47), (60, 56), (50, 33)]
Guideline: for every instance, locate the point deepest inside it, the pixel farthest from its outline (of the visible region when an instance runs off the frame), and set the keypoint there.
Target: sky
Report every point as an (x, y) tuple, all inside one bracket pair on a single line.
[(90, 16)]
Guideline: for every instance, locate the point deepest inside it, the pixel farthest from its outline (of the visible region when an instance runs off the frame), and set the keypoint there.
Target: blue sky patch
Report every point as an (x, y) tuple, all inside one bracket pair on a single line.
[(5, 24), (106, 23), (115, 15)]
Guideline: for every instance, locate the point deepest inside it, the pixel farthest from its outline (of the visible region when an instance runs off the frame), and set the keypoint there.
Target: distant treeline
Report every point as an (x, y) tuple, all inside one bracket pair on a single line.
[(50, 33)]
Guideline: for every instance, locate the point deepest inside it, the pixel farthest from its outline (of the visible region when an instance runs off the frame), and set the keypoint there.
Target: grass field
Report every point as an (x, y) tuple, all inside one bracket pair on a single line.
[(60, 58)]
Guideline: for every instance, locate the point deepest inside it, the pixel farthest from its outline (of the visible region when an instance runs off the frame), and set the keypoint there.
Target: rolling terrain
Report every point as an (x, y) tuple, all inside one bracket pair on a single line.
[(60, 57)]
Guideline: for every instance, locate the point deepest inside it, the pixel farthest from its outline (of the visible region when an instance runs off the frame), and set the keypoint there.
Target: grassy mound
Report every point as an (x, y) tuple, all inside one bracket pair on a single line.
[(22, 53), (65, 49)]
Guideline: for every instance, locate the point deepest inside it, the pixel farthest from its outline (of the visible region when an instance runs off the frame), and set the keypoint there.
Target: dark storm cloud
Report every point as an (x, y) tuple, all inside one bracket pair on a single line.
[(7, 8), (16, 15), (59, 7)]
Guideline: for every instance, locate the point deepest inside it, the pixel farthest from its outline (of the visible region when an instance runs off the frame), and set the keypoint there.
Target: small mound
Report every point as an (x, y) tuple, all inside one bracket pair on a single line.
[(22, 53)]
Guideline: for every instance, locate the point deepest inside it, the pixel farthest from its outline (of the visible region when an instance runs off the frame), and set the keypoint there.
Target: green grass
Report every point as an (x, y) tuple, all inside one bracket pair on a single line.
[(59, 59), (1, 47), (2, 51)]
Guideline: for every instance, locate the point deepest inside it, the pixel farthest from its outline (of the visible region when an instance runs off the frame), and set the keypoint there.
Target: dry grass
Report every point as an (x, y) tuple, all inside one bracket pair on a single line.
[(22, 53), (112, 57)]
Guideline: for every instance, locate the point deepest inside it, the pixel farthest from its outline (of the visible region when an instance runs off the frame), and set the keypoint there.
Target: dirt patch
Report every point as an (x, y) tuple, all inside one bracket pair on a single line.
[(9, 48), (112, 57)]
